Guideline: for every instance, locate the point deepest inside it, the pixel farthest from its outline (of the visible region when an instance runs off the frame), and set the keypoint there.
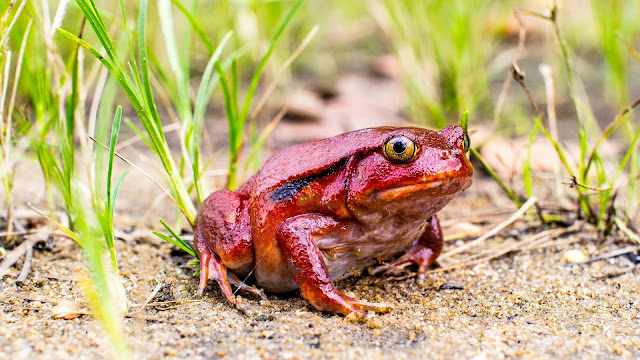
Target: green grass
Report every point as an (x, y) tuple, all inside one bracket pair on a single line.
[(135, 82), (596, 201), (134, 75), (8, 86), (238, 111), (176, 81), (440, 46), (614, 19), (597, 182), (57, 93)]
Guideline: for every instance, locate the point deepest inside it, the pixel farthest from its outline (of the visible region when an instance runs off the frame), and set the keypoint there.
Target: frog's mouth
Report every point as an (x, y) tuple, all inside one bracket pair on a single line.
[(440, 187)]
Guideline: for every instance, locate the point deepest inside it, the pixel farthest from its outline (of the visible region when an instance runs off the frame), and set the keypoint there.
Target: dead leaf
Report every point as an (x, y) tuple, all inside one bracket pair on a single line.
[(68, 310)]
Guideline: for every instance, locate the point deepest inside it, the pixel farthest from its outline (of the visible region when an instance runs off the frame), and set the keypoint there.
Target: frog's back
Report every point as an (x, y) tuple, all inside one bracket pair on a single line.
[(302, 160)]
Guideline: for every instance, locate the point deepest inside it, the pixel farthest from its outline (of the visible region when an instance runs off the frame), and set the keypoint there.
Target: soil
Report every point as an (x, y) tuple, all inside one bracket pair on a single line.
[(524, 304)]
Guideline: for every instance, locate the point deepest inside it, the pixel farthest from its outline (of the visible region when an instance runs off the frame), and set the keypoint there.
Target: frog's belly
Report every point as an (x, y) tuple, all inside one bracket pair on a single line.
[(348, 254)]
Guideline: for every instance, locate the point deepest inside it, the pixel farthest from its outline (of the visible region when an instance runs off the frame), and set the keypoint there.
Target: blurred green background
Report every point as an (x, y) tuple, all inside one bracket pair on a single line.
[(452, 55)]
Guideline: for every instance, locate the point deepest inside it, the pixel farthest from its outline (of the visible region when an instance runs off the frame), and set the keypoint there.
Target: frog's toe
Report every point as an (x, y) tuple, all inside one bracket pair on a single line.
[(363, 310), (235, 281), (399, 264), (212, 268), (380, 269), (204, 276), (419, 255), (376, 307), (245, 310)]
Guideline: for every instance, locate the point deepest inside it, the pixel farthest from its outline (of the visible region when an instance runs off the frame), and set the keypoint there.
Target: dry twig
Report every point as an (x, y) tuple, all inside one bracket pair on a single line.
[(13, 256), (509, 248), (26, 266), (608, 255), (153, 294), (493, 231), (573, 182)]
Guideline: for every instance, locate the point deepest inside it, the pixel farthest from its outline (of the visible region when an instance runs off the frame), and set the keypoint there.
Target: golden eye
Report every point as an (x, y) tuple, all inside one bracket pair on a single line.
[(399, 149)]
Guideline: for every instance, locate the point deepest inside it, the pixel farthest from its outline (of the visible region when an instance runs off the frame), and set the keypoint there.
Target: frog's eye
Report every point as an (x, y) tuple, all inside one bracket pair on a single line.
[(399, 149)]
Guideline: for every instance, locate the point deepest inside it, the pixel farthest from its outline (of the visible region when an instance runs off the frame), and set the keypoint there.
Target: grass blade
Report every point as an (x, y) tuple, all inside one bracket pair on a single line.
[(115, 130), (510, 193), (195, 25), (263, 62), (144, 70), (176, 240), (527, 174)]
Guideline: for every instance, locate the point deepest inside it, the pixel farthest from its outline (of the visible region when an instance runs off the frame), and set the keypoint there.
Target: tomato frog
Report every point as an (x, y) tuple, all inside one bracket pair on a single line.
[(327, 209)]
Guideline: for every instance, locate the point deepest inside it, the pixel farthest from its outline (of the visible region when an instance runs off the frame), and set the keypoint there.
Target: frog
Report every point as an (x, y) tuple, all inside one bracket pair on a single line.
[(324, 210)]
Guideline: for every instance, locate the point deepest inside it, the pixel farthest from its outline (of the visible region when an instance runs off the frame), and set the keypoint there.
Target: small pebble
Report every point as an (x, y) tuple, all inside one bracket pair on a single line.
[(575, 256)]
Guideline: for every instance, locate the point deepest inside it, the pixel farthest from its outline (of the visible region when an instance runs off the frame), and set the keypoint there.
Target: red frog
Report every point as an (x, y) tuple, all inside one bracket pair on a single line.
[(327, 209)]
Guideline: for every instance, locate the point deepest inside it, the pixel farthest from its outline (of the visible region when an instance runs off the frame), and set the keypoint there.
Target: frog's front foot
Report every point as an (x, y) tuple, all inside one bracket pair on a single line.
[(331, 300), (296, 239)]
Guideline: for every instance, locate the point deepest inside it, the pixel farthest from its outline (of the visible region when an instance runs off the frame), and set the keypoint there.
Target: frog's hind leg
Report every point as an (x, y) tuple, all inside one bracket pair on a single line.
[(222, 238), (423, 252), (211, 267)]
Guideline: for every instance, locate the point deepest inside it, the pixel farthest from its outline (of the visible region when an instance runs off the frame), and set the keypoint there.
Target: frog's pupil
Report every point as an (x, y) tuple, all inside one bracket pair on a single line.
[(399, 146)]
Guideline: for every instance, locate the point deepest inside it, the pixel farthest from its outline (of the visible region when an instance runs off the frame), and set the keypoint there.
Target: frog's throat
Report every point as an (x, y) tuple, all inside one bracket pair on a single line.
[(440, 187)]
